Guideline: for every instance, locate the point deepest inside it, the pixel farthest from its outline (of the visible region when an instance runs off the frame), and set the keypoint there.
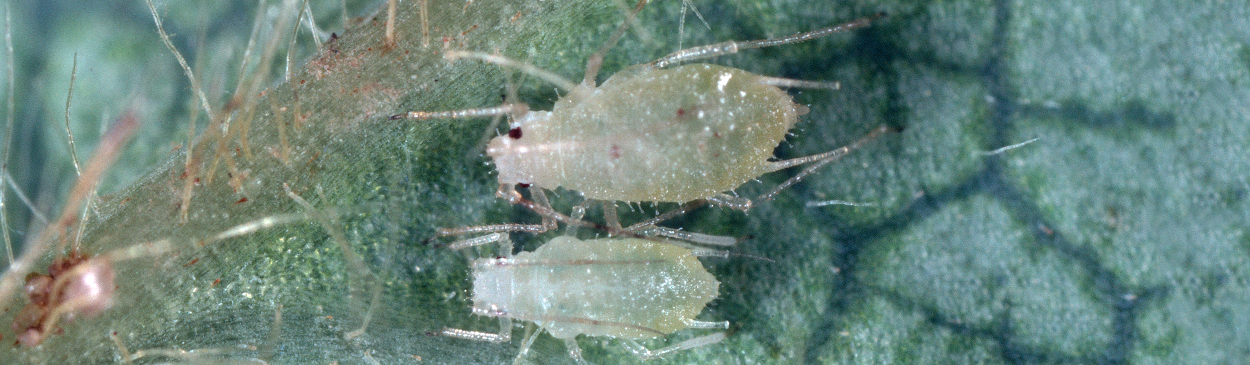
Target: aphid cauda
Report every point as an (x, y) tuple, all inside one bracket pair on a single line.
[(651, 133), (625, 288)]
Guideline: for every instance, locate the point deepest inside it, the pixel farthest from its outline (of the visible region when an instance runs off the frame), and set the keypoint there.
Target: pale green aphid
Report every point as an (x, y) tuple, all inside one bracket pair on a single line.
[(651, 133), (625, 288)]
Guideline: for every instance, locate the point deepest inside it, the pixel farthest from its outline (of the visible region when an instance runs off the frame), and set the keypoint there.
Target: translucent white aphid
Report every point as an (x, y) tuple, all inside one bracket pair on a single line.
[(625, 288), (651, 133)]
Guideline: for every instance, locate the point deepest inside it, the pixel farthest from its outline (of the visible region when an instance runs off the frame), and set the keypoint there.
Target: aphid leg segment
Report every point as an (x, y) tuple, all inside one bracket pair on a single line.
[(526, 344), (645, 354), (491, 228), (506, 109), (575, 351), (731, 202), (507, 192), (683, 209), (609, 215), (699, 238), (549, 220), (504, 335), (724, 325), (505, 244), (579, 212), (731, 47), (505, 322), (784, 82)]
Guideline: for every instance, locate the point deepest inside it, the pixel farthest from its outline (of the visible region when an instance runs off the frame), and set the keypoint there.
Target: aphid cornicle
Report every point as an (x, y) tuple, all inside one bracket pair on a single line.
[(653, 134), (625, 288)]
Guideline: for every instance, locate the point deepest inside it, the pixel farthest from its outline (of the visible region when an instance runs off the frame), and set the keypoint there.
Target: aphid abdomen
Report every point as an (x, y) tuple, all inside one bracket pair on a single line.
[(624, 288), (670, 135)]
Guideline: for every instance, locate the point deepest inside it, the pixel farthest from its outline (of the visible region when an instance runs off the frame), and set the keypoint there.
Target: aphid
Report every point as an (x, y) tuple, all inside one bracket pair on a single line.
[(625, 288), (651, 133)]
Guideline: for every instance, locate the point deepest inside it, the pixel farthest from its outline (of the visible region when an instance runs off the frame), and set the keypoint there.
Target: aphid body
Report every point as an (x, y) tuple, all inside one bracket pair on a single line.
[(624, 288), (648, 134), (651, 133)]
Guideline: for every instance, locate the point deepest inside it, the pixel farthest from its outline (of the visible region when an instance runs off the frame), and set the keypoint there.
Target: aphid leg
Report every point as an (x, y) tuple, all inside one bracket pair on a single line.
[(683, 209), (549, 220), (699, 238), (645, 354), (609, 215), (509, 193), (505, 244), (575, 351), (579, 212), (732, 202), (724, 325), (525, 345), (731, 47), (466, 113), (505, 323), (784, 82), (817, 161), (504, 334)]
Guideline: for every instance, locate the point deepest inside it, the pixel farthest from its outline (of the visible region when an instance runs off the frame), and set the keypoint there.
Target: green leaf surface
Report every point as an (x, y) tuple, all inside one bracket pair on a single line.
[(1118, 235)]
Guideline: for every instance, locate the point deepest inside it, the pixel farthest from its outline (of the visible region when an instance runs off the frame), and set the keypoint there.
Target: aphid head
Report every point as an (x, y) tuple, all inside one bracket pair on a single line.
[(512, 153), (493, 287)]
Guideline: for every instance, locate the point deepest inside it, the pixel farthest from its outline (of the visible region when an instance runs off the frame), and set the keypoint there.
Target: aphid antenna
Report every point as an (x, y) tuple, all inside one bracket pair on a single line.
[(709, 252), (731, 47), (507, 261), (805, 84)]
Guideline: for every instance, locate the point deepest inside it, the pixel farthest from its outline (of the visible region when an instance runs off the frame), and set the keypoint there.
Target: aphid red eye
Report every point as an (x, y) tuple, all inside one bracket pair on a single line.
[(523, 185), (514, 133)]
